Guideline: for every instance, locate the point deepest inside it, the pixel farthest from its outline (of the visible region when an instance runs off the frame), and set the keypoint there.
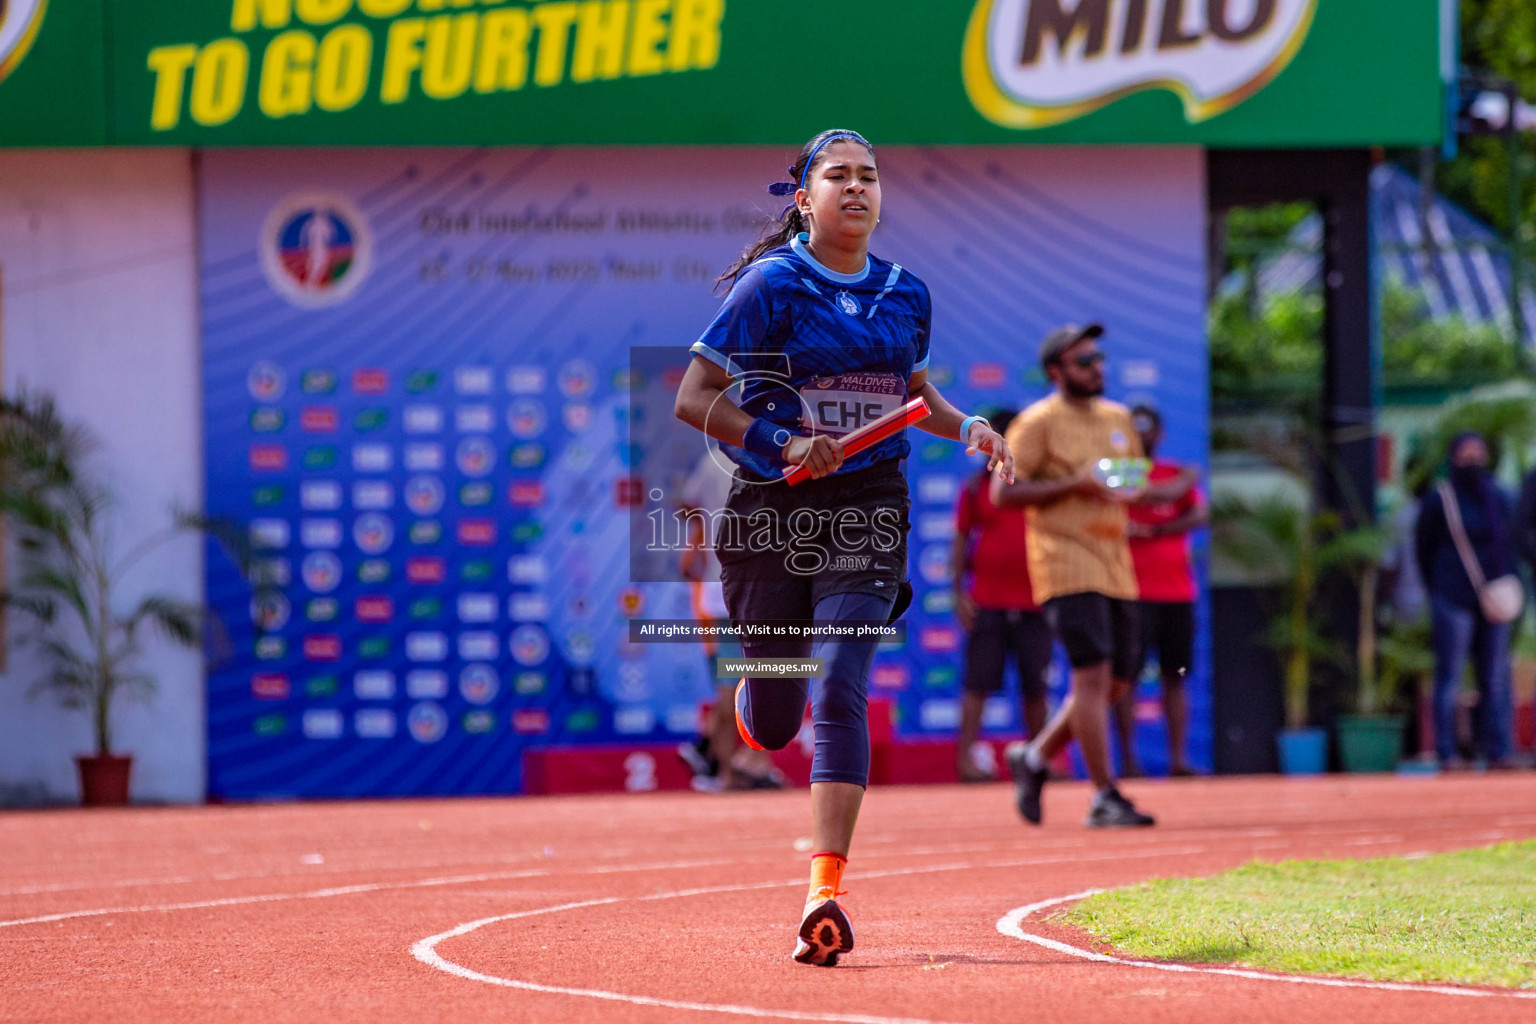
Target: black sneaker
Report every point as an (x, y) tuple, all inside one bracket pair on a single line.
[(825, 931), (771, 779), (696, 755), (1112, 810), (1028, 782)]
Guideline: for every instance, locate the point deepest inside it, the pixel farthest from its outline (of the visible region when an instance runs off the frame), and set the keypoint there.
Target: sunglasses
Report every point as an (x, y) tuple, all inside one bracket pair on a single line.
[(1087, 360)]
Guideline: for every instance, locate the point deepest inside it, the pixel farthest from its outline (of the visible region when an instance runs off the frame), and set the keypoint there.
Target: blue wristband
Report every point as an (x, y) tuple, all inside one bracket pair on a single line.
[(767, 439), (967, 423)]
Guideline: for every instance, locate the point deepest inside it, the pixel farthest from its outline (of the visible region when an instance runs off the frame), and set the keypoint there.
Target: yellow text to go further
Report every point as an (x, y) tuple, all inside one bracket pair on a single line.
[(441, 57)]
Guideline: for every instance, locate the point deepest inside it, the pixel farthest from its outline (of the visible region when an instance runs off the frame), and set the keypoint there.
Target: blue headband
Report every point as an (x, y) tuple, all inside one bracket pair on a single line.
[(784, 188)]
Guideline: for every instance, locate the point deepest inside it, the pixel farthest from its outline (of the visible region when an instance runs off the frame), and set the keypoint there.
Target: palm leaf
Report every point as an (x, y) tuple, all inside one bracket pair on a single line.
[(178, 621)]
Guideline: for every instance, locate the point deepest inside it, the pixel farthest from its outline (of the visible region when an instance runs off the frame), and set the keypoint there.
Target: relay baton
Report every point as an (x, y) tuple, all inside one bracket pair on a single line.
[(871, 433)]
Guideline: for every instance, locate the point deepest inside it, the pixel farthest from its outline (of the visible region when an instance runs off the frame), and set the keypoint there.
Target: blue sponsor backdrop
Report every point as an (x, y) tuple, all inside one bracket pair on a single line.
[(418, 403)]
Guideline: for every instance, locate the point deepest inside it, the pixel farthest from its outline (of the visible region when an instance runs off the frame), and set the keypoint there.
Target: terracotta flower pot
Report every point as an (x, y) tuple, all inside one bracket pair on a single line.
[(104, 780)]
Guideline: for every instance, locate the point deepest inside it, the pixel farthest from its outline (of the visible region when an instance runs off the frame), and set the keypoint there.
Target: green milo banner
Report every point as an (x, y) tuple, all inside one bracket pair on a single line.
[(503, 72), (52, 73)]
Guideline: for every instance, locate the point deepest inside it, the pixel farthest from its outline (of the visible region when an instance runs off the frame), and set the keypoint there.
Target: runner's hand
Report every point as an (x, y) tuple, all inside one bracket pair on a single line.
[(1089, 485), (821, 454), (965, 610), (984, 439)]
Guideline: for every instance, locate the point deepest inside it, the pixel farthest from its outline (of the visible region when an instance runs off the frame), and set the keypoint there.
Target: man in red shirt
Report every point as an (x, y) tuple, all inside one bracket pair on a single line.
[(1159, 537), (997, 608)]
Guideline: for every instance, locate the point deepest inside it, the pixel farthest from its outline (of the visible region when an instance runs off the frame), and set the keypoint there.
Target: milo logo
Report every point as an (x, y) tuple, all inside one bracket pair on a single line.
[(19, 24), (1036, 63)]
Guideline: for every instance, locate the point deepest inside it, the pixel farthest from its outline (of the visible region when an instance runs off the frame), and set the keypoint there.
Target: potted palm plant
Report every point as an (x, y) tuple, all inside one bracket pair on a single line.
[(1276, 541), (69, 581), (1370, 740)]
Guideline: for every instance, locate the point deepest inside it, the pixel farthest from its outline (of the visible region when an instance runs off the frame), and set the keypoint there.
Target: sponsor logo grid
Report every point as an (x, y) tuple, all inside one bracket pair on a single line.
[(434, 538)]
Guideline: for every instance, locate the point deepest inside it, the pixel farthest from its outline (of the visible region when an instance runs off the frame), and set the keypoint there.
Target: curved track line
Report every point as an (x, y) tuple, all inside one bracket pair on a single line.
[(425, 950), (1011, 924)]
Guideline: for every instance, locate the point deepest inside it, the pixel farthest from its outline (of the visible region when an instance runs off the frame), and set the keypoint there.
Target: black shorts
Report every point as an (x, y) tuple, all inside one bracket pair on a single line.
[(1095, 629), (783, 549), (998, 634), (1168, 627)]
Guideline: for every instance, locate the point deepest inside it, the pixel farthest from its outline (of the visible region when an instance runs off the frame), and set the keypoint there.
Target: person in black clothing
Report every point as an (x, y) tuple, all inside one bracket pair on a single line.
[(1459, 625), (1525, 521)]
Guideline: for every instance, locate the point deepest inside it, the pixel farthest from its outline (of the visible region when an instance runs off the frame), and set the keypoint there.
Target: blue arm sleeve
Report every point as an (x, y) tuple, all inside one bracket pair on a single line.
[(741, 327), (924, 330)]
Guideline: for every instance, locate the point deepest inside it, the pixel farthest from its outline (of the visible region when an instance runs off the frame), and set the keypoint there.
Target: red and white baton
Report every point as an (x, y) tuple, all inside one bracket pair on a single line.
[(871, 433)]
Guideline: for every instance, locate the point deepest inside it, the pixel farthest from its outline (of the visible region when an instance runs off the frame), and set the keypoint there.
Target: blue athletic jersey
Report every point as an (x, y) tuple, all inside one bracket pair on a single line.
[(819, 352)]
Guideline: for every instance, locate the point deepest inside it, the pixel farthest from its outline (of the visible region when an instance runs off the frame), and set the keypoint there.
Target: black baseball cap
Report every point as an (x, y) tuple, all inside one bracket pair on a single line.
[(1146, 411), (1063, 338)]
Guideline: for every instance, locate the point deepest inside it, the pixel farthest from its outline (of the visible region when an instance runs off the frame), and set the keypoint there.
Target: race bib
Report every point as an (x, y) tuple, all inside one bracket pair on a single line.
[(844, 403)]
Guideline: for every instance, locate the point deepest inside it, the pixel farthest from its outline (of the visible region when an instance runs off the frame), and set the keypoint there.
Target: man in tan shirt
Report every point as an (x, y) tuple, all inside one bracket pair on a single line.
[(1079, 561)]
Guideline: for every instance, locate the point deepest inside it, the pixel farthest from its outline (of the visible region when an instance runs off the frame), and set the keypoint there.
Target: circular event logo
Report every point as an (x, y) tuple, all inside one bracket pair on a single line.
[(270, 610), (321, 571), (316, 249), (476, 456), (266, 381), (580, 647), (479, 684), (428, 722), (576, 378), (374, 533), (20, 21), (526, 419), (530, 645), (424, 495), (933, 564)]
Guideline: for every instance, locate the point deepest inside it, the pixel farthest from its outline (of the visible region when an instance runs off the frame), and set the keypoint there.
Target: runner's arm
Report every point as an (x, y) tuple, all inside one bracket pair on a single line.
[(1172, 489), (945, 422), (1196, 516), (701, 403), (1035, 492)]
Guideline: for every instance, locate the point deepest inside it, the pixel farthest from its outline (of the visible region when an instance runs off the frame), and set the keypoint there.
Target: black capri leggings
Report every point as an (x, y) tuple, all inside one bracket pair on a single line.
[(770, 709)]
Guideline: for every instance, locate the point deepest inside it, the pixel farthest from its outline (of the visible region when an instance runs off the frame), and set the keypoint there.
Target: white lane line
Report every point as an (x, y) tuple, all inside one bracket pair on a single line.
[(426, 949), (374, 869), (1011, 924), (615, 869), (124, 883), (307, 872), (351, 890)]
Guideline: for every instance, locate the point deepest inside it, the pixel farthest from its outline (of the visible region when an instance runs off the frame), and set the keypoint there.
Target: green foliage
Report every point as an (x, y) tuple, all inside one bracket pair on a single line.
[(1357, 554), (69, 577), (1279, 348), (1497, 36), (1461, 917), (1415, 347), (1406, 658), (1277, 542), (1506, 421), (1281, 542)]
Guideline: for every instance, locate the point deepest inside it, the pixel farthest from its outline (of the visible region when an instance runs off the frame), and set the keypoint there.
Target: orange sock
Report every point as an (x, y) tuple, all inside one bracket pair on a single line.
[(826, 873)]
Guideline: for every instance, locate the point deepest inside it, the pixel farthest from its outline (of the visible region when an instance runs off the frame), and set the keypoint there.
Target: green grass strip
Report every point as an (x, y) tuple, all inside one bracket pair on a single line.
[(1467, 917)]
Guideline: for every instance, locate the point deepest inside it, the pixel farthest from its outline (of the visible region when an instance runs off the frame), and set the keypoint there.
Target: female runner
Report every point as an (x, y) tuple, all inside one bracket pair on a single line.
[(819, 337)]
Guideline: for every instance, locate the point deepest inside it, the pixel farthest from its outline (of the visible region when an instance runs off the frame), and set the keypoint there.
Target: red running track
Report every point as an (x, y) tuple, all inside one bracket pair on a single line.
[(676, 907)]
